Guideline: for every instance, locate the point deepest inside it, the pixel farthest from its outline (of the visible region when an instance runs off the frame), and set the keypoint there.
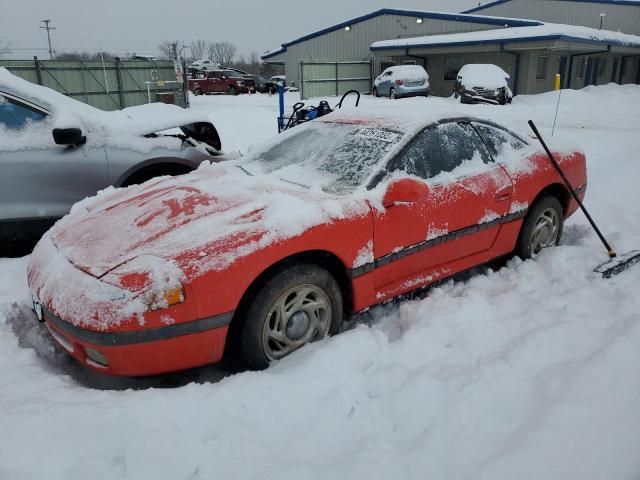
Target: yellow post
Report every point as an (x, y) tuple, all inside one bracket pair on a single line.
[(557, 81)]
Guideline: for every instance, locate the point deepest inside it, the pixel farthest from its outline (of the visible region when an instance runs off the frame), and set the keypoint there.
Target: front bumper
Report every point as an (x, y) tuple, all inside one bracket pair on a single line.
[(83, 312), (144, 352)]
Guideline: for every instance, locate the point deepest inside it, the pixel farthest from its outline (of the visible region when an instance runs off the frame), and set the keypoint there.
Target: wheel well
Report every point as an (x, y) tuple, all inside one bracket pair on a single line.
[(156, 170), (321, 258), (557, 190)]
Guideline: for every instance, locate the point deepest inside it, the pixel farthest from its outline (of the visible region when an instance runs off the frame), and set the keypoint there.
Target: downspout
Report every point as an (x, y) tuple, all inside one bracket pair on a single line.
[(516, 75), (424, 60)]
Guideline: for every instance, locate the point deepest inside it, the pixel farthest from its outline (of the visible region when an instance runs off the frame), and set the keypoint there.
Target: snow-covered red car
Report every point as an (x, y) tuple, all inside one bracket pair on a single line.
[(262, 255)]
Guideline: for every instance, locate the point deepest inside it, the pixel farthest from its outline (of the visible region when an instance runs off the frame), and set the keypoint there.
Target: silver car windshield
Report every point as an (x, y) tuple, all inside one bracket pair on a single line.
[(338, 157)]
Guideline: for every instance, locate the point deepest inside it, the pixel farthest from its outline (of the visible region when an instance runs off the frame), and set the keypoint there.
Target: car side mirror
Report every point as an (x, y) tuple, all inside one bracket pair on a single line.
[(405, 190), (68, 136)]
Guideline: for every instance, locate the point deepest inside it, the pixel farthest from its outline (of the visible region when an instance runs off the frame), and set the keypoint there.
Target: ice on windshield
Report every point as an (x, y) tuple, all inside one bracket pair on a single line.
[(337, 157)]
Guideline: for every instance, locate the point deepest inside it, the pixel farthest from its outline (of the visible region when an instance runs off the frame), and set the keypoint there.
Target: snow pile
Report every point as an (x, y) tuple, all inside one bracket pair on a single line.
[(526, 372), (120, 128)]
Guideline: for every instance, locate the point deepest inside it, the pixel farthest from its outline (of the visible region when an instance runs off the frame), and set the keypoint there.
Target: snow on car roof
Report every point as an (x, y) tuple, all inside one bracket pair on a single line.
[(136, 121), (483, 75), (538, 32)]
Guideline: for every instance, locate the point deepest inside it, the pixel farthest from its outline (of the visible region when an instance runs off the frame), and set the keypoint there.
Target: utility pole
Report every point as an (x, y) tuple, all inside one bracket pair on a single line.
[(48, 28), (174, 50)]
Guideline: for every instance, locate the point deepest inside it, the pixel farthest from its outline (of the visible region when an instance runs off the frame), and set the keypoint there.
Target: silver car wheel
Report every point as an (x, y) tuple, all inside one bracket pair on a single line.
[(300, 315), (545, 231)]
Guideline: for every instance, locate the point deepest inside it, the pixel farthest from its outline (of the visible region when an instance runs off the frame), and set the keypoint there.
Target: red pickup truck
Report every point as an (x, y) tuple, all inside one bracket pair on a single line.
[(220, 81)]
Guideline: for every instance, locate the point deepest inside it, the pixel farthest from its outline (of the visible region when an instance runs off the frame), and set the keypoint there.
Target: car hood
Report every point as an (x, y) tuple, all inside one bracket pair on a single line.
[(215, 215)]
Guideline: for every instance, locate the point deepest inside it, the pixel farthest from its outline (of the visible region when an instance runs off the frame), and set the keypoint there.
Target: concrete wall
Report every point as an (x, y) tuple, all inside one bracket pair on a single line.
[(625, 18), (341, 45)]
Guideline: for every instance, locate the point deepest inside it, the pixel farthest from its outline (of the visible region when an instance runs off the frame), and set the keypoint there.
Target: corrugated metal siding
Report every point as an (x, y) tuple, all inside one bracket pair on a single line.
[(625, 18), (341, 45)]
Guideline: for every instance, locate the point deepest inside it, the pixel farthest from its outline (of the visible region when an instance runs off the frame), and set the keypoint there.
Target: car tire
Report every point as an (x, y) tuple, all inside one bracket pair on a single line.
[(232, 90), (392, 94), (266, 337), (542, 227), (197, 91), (375, 92)]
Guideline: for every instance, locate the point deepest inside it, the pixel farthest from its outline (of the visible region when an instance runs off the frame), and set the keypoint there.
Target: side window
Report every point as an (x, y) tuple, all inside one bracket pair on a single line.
[(14, 114), (497, 139), (439, 149)]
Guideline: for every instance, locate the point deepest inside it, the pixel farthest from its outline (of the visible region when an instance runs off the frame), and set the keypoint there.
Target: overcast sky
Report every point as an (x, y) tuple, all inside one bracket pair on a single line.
[(124, 26)]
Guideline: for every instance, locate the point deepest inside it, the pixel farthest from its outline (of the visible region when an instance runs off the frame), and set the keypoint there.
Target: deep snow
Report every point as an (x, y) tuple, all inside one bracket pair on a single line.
[(527, 372)]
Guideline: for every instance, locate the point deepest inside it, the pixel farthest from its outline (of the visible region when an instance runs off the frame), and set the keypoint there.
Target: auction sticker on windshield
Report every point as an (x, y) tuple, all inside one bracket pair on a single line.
[(378, 134)]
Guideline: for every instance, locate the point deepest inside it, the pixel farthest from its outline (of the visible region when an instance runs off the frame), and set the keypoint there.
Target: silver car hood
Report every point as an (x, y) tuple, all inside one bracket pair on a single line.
[(137, 121)]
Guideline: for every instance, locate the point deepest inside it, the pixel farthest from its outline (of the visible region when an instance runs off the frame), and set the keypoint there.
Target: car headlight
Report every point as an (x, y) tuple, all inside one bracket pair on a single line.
[(157, 281), (157, 300)]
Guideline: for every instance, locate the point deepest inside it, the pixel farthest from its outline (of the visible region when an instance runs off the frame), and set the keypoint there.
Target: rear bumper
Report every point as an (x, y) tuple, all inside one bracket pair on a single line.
[(412, 91), (144, 352)]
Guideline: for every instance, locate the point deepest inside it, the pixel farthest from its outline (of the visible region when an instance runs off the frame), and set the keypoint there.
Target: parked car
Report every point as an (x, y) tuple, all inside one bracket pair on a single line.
[(204, 65), (261, 84), (482, 83), (274, 81), (55, 151), (246, 256), (220, 81), (402, 81)]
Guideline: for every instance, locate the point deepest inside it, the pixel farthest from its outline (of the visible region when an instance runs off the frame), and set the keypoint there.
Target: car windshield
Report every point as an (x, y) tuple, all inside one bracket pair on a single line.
[(338, 157)]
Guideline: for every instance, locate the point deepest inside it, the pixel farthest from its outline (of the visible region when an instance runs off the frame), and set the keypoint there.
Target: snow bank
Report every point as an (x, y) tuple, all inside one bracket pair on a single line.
[(527, 372)]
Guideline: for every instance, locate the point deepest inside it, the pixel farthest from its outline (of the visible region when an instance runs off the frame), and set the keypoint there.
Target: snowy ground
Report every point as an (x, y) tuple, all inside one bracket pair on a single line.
[(528, 372)]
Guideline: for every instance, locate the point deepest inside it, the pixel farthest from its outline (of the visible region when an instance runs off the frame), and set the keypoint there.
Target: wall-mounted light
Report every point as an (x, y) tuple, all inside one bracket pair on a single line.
[(347, 28), (419, 20)]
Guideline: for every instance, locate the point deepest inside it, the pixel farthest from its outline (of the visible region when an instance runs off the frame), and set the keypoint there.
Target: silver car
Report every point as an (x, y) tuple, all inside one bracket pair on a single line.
[(402, 81), (55, 151)]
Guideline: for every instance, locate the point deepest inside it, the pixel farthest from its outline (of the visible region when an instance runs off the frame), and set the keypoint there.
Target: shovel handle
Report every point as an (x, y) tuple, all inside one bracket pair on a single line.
[(556, 165)]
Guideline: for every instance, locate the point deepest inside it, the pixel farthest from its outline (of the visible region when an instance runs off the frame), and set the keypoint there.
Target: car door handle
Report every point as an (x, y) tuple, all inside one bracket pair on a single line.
[(504, 194)]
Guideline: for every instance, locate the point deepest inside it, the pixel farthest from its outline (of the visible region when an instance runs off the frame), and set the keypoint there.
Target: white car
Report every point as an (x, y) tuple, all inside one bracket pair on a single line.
[(402, 81), (204, 65), (483, 83)]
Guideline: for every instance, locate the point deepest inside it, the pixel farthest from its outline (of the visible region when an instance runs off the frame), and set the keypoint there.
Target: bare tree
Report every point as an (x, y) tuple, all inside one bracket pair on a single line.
[(5, 48), (198, 49), (221, 52), (166, 50)]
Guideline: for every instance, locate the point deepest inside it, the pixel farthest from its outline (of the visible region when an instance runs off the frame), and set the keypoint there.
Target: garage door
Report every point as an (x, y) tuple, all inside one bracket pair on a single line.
[(328, 79)]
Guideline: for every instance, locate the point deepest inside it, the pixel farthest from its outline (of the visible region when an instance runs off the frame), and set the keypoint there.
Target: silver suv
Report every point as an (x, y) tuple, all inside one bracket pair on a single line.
[(55, 151)]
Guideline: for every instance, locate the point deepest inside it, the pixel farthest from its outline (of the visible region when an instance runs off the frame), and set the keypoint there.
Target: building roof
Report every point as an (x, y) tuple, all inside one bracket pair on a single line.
[(500, 2), (456, 17), (547, 31)]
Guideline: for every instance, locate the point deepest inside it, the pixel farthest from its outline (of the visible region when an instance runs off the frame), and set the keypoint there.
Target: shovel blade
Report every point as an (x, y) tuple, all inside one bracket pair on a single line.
[(618, 264)]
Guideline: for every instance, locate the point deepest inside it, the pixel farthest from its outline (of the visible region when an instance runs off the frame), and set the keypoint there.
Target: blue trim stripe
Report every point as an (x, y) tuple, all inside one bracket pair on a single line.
[(454, 17), (634, 3), (499, 41)]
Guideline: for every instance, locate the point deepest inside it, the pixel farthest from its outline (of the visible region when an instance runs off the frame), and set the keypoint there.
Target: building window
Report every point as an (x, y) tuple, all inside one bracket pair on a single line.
[(451, 68), (602, 67), (580, 67), (541, 68), (409, 62)]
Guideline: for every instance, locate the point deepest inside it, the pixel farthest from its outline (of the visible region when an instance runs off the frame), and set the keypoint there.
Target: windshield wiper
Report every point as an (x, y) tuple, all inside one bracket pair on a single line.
[(295, 183), (245, 170)]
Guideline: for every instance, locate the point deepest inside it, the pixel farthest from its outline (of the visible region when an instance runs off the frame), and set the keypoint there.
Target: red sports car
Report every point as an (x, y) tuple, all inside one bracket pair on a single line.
[(268, 253)]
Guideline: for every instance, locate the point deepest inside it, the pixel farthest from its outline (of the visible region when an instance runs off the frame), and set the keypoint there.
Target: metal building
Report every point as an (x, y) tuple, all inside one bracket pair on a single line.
[(615, 15), (338, 58), (352, 53)]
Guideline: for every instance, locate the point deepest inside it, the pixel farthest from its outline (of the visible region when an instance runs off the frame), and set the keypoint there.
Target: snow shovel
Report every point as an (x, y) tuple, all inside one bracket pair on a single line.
[(616, 264)]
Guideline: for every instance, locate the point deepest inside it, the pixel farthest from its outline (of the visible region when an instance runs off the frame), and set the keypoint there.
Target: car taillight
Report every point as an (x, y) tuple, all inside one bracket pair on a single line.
[(399, 82)]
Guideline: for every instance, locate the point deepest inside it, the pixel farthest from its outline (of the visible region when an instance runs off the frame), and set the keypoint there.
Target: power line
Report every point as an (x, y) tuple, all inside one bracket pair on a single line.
[(48, 28)]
